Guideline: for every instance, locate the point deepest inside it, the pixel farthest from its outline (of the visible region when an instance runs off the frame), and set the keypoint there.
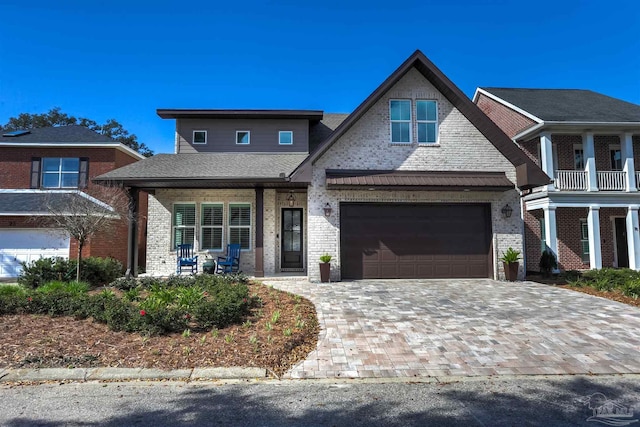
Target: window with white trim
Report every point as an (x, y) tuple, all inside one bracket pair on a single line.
[(616, 157), (578, 157), (211, 226), (400, 117), (427, 121), (285, 137), (199, 136), (240, 224), (584, 240), (243, 137), (60, 172), (184, 223)]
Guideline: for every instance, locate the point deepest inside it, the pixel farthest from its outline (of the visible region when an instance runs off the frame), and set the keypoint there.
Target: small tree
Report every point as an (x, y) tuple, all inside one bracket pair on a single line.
[(82, 216)]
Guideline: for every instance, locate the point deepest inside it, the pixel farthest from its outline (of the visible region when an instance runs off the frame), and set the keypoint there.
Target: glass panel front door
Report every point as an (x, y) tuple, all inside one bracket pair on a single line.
[(291, 238)]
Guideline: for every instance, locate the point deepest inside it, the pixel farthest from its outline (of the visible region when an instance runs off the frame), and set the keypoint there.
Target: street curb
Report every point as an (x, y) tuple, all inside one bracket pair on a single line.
[(123, 374)]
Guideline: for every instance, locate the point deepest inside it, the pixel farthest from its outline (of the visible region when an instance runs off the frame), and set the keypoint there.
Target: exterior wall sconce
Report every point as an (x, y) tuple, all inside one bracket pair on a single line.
[(506, 211), (327, 209), (291, 199)]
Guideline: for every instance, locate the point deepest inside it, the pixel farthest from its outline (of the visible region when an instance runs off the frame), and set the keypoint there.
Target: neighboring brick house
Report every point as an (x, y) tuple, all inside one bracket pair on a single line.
[(585, 140), (413, 183), (43, 166)]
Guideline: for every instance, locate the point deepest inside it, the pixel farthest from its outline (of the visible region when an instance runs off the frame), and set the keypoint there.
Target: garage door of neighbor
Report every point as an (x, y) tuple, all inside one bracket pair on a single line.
[(28, 245), (387, 241)]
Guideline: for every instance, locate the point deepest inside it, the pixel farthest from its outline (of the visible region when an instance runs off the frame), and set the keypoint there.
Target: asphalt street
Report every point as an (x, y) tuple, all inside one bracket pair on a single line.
[(498, 401)]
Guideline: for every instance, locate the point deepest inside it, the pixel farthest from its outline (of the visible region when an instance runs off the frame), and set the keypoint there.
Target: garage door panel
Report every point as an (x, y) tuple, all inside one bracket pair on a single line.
[(27, 245), (415, 240)]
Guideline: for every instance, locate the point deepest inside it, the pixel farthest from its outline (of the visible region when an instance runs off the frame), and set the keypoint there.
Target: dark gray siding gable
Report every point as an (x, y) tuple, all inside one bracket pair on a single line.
[(221, 135)]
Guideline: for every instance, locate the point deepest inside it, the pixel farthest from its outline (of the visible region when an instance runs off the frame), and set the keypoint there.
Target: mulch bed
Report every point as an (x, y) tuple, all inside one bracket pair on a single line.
[(36, 341)]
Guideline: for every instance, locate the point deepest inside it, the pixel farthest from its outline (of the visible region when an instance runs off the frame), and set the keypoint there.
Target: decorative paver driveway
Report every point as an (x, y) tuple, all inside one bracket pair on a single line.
[(419, 328)]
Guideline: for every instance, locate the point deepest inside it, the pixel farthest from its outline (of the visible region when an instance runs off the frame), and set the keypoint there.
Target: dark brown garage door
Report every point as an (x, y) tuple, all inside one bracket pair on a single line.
[(414, 240)]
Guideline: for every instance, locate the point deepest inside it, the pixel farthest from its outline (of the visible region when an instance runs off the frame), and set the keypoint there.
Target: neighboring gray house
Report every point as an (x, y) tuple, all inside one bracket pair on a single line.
[(413, 183)]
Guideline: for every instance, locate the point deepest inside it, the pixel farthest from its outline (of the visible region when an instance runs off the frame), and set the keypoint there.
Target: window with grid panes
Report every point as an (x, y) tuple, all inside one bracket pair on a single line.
[(240, 225), (400, 115), (184, 224), (427, 121), (211, 227), (584, 240)]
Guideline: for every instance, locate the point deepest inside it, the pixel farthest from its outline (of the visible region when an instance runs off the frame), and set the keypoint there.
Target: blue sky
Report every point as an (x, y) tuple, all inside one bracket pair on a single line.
[(124, 59)]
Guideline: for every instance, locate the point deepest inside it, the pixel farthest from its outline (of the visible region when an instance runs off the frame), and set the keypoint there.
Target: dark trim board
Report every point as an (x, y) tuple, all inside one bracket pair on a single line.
[(415, 240)]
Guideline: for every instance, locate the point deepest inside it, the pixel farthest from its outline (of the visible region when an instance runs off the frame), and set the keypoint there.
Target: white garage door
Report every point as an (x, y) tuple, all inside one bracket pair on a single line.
[(26, 245)]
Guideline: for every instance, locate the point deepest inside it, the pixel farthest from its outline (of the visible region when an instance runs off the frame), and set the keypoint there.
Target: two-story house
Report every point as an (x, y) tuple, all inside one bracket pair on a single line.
[(415, 182), (41, 167), (588, 215)]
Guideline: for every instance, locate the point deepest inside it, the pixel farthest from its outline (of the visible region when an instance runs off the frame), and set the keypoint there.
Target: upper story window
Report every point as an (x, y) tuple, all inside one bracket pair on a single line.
[(578, 158), (60, 172), (400, 117), (285, 137), (616, 158), (427, 121), (199, 136), (243, 137)]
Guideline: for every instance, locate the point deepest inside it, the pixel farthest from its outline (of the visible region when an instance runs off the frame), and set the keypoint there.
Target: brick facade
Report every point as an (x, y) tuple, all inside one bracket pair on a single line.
[(366, 146), (510, 121), (15, 172)]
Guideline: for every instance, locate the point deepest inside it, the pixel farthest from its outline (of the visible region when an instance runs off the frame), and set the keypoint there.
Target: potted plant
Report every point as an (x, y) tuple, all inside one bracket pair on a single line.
[(325, 267), (548, 263), (510, 262)]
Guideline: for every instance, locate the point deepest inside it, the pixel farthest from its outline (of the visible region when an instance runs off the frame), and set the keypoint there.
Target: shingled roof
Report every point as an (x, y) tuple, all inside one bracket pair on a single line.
[(59, 135), (189, 168), (36, 202), (569, 105)]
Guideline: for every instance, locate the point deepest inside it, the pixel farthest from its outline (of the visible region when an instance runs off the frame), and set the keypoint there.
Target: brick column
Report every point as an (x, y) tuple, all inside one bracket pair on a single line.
[(259, 265)]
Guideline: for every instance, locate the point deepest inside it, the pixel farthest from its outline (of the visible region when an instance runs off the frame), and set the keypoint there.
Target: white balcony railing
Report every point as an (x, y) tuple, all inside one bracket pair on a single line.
[(611, 180), (571, 180)]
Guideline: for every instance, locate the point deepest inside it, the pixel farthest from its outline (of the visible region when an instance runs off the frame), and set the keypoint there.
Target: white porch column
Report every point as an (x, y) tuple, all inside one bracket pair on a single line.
[(590, 161), (626, 150), (546, 157), (550, 231), (595, 250), (633, 238)]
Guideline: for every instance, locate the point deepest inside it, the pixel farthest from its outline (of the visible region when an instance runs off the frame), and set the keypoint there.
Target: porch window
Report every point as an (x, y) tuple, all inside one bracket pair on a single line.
[(211, 227), (240, 225), (584, 240), (427, 120), (184, 224), (616, 158), (400, 115), (578, 158)]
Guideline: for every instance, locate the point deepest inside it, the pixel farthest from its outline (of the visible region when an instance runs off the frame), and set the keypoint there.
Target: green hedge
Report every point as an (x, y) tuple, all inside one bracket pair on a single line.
[(155, 307), (93, 270), (625, 280)]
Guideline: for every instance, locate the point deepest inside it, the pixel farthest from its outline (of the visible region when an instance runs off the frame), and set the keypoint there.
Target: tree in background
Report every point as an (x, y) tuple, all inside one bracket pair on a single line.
[(82, 216), (54, 117)]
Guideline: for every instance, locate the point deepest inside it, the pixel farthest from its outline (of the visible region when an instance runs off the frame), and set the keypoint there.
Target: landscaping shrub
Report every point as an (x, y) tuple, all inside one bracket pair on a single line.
[(95, 271), (13, 299), (124, 283), (38, 272), (609, 278)]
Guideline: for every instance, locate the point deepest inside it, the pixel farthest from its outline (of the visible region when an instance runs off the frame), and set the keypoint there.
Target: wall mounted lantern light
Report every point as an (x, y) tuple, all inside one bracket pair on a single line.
[(291, 199), (506, 211), (327, 209)]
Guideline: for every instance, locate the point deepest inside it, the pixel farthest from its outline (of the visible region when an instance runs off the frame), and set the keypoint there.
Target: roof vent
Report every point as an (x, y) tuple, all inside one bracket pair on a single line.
[(16, 133)]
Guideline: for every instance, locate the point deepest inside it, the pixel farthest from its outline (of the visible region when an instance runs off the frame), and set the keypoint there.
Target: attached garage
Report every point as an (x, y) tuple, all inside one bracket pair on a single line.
[(404, 240), (26, 245)]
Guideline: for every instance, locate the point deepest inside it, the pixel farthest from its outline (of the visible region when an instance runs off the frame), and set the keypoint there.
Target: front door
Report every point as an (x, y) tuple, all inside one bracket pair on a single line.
[(621, 242), (291, 238)]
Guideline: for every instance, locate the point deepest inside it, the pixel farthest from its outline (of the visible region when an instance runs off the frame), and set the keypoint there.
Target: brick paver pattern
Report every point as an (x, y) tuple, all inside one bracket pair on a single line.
[(475, 327)]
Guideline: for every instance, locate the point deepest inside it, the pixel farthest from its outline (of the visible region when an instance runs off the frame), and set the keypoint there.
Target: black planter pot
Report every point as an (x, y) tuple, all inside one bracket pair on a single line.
[(511, 271), (325, 272)]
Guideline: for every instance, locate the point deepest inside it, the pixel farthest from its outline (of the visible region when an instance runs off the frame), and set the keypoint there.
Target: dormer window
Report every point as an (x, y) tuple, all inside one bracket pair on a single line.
[(243, 137), (285, 137), (400, 115), (199, 136)]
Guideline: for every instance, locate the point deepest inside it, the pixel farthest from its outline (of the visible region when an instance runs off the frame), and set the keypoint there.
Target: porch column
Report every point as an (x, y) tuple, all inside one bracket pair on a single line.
[(590, 161), (633, 238), (546, 158), (593, 224), (132, 238), (626, 150), (550, 231), (259, 265)]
